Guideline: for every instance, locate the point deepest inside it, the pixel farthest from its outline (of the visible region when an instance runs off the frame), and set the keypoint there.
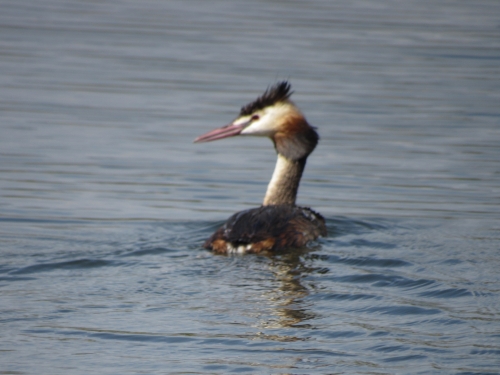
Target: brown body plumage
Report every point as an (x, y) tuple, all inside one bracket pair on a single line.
[(267, 228), (279, 224)]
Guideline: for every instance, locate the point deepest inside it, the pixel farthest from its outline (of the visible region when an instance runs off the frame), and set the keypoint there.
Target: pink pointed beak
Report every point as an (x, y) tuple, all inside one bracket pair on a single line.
[(226, 131)]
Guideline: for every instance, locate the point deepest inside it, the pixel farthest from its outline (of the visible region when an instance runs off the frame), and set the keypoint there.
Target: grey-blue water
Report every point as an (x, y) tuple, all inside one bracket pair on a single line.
[(105, 201)]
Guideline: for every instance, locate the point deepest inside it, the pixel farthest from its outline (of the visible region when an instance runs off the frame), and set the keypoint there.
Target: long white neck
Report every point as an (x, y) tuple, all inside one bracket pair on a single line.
[(282, 188)]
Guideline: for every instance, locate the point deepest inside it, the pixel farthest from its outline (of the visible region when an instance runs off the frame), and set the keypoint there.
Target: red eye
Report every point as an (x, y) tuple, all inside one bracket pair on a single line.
[(254, 117)]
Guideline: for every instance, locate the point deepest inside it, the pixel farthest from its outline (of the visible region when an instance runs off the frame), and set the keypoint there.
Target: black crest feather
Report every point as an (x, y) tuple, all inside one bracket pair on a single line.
[(274, 94)]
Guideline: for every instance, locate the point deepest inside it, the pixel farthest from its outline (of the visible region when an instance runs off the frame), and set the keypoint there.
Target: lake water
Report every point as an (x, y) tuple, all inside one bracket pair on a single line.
[(105, 201)]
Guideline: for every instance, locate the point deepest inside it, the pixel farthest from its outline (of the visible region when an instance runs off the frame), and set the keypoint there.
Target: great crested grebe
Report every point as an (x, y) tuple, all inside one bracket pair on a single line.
[(278, 224)]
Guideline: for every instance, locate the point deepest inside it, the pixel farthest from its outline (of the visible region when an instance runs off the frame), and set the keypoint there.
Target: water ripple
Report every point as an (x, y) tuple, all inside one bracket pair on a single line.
[(346, 297), (149, 251), (69, 265), (381, 280), (403, 310), (447, 293), (368, 261)]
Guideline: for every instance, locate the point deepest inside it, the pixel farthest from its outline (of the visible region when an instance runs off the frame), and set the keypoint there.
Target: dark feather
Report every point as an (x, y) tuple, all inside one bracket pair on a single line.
[(274, 94), (281, 227)]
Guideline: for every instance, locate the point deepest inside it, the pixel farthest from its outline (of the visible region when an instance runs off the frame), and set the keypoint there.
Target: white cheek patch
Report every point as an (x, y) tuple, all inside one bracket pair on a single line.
[(241, 120), (270, 120), (263, 127)]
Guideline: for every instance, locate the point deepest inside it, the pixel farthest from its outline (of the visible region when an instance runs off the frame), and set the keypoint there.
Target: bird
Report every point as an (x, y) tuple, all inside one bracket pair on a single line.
[(278, 224)]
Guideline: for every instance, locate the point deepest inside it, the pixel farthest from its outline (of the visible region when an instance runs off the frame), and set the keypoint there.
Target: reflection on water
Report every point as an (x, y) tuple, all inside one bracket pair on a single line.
[(290, 311), (105, 201)]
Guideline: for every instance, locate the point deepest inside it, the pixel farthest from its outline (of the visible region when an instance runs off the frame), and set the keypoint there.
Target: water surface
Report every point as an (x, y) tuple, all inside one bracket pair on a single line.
[(105, 201)]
